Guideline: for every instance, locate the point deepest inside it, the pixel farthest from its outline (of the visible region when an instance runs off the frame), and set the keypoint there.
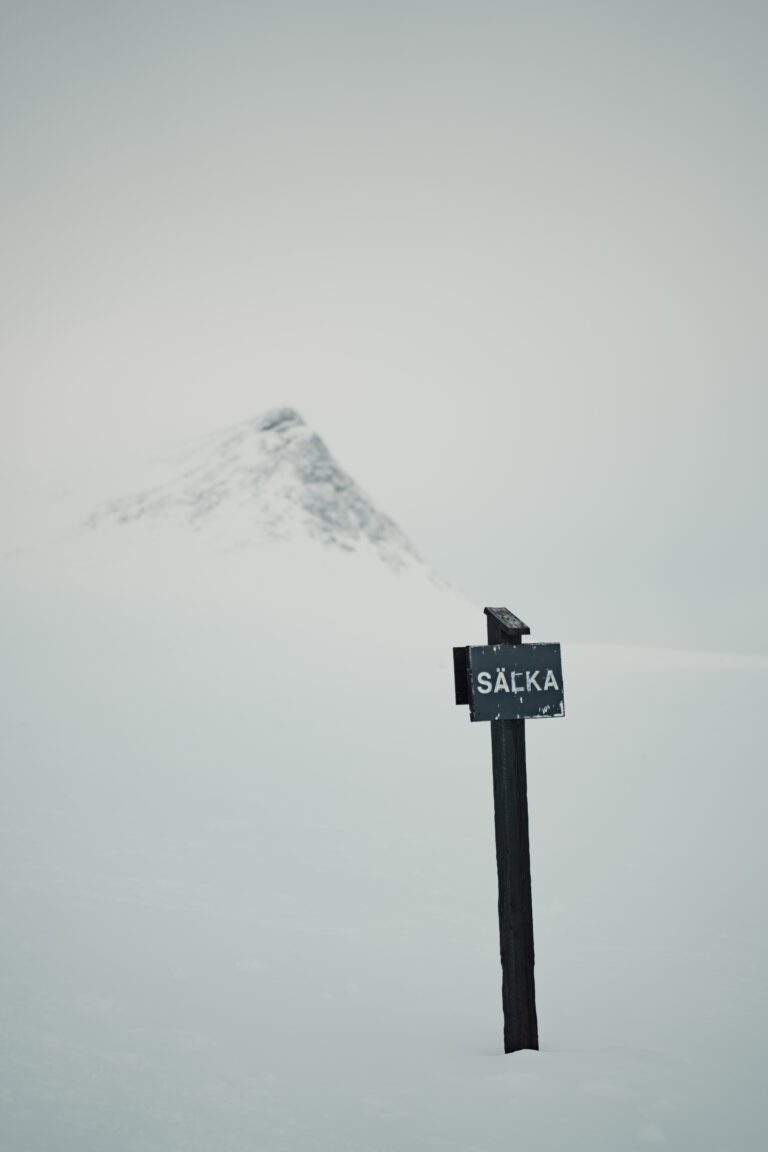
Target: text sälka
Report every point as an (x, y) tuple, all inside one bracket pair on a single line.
[(508, 682), (515, 681)]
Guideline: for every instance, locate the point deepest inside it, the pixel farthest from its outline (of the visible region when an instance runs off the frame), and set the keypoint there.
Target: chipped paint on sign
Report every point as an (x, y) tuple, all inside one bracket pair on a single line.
[(515, 681)]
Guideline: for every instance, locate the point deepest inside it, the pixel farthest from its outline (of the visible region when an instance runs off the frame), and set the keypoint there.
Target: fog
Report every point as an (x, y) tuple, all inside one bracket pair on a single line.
[(249, 888), (507, 258), (508, 261)]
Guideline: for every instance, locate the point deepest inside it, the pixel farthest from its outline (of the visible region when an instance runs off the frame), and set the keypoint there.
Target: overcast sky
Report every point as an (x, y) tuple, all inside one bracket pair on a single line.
[(507, 258)]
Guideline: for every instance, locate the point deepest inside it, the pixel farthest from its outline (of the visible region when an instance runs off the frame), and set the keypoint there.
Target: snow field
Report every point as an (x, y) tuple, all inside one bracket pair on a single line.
[(248, 874)]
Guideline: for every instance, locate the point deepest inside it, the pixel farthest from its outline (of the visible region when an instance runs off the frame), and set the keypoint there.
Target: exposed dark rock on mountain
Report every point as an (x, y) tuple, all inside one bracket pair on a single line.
[(271, 478)]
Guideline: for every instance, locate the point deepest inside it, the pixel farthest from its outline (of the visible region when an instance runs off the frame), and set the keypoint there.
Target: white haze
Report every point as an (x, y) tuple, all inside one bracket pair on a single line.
[(248, 878), (510, 257)]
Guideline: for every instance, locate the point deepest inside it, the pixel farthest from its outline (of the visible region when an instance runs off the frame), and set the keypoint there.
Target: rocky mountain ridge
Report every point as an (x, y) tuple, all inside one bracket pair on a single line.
[(269, 479)]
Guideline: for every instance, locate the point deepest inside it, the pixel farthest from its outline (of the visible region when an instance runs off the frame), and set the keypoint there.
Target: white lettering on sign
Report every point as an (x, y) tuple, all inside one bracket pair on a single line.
[(485, 682)]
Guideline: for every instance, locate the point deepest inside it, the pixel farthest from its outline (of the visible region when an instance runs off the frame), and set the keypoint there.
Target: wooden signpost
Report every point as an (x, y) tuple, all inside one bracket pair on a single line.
[(507, 682)]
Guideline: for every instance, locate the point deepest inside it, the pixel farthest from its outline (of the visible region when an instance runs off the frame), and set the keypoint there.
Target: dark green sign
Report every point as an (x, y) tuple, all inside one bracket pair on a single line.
[(514, 681)]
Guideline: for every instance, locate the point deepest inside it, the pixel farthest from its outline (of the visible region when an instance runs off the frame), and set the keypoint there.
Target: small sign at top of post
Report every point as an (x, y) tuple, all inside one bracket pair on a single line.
[(508, 682)]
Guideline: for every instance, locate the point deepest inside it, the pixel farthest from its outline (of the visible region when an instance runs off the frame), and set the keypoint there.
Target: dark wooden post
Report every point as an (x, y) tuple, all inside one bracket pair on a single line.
[(513, 859)]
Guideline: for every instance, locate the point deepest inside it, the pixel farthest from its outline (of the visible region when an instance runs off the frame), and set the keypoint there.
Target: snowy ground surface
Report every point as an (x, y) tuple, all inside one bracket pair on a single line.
[(248, 889)]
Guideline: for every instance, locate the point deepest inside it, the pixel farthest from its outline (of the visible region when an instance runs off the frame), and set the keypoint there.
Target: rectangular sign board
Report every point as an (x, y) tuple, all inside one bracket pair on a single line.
[(515, 681)]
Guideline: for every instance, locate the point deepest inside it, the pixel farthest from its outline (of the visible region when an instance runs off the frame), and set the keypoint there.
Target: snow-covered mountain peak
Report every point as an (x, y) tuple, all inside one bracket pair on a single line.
[(269, 479)]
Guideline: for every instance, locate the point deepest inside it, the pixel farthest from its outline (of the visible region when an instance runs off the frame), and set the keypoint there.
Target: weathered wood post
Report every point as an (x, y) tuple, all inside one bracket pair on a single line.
[(513, 860), (507, 682)]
